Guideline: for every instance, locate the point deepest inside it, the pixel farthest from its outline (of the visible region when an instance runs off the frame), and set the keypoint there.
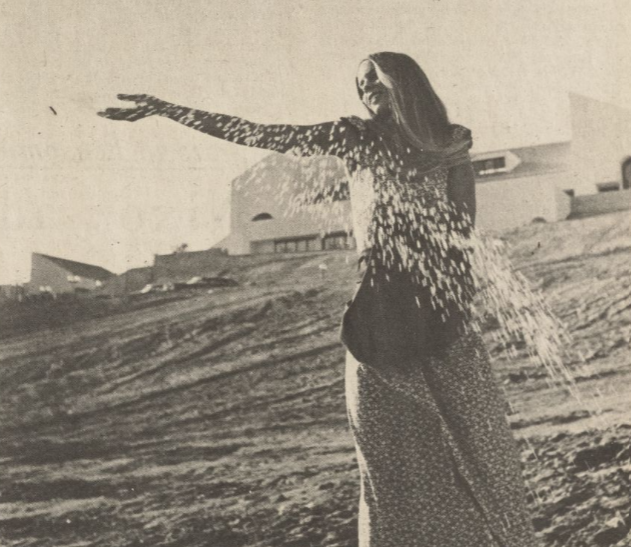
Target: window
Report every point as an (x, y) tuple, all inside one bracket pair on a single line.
[(314, 244), (297, 245), (338, 241), (608, 186), (490, 165), (262, 216), (262, 247)]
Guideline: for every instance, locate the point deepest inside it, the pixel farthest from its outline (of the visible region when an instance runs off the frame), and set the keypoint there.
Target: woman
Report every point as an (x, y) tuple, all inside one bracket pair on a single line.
[(438, 464)]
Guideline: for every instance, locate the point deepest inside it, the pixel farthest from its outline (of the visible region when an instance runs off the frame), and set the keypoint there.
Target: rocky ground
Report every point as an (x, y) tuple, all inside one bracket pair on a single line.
[(218, 419)]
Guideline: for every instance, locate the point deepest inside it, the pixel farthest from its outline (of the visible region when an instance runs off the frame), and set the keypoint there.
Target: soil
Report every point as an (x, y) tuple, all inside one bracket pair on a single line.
[(218, 418)]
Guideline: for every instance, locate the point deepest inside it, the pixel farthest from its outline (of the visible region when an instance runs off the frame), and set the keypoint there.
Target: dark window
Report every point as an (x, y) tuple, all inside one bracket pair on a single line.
[(314, 244), (262, 247), (262, 216), (338, 241), (608, 186), (297, 245), (483, 167)]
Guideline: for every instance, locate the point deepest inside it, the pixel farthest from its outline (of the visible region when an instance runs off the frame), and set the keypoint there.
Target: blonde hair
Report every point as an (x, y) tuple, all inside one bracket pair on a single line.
[(418, 112)]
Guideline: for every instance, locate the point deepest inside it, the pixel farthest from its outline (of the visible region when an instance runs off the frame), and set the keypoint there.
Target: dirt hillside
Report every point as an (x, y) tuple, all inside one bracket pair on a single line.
[(218, 419)]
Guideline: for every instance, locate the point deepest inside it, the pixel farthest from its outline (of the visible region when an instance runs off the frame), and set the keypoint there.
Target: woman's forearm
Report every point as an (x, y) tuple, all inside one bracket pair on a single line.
[(321, 139), (221, 126)]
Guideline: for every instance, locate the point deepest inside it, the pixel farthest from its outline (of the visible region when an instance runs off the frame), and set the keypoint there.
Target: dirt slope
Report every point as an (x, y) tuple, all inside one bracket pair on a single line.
[(218, 419)]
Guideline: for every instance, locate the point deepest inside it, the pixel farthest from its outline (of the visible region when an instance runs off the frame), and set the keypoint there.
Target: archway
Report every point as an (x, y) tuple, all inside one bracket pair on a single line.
[(262, 216)]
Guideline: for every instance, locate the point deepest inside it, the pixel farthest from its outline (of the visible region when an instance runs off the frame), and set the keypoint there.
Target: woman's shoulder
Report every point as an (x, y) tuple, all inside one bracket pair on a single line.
[(361, 126), (360, 139), (355, 121)]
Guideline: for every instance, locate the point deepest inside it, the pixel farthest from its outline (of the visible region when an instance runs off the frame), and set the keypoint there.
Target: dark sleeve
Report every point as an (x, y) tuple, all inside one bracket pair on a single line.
[(339, 138), (461, 191)]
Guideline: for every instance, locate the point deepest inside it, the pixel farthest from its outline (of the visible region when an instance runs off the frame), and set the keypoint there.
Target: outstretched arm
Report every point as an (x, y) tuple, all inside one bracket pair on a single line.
[(331, 138)]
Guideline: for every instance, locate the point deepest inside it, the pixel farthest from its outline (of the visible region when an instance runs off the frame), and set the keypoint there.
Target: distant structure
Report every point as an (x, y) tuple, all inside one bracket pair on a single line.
[(130, 281), (519, 185), (176, 267), (181, 266), (12, 293), (54, 275), (259, 221), (590, 174)]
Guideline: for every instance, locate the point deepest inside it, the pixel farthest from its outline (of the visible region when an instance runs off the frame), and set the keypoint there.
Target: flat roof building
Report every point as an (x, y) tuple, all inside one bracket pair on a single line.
[(51, 274), (514, 186)]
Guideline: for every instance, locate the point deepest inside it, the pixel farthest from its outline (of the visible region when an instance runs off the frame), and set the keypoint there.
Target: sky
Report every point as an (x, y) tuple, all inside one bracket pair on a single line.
[(114, 193)]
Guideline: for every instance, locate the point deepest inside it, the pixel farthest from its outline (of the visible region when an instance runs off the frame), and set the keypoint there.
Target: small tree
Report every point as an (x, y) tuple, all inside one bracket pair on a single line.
[(180, 248)]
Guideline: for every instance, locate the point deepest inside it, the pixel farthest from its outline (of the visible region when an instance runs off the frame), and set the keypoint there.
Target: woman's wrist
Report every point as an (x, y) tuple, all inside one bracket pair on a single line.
[(167, 109)]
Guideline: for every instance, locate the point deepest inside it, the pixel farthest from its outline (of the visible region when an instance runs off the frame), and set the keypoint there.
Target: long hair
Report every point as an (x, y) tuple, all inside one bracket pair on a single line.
[(418, 112)]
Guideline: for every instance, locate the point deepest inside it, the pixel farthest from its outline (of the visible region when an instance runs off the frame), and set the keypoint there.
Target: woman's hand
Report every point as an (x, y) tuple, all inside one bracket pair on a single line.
[(146, 106), (338, 138)]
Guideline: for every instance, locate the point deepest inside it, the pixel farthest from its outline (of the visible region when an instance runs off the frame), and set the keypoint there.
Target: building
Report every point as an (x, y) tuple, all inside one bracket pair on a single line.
[(267, 218), (50, 274), (516, 186), (12, 293), (520, 185), (180, 267), (130, 281)]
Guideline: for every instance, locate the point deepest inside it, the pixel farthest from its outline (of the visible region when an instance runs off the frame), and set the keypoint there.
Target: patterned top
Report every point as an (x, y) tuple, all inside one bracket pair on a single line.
[(364, 191)]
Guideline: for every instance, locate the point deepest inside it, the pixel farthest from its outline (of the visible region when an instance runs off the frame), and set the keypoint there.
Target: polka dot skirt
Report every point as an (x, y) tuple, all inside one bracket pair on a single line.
[(439, 466)]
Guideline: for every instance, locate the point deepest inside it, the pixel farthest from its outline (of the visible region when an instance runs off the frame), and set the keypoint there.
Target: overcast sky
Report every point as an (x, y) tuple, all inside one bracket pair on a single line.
[(113, 193)]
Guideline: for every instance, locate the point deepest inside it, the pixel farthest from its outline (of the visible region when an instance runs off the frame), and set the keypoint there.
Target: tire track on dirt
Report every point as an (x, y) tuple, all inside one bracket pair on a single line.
[(263, 402), (150, 396)]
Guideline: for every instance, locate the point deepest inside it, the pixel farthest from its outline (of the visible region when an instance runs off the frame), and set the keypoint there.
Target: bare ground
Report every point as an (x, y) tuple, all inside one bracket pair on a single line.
[(219, 419)]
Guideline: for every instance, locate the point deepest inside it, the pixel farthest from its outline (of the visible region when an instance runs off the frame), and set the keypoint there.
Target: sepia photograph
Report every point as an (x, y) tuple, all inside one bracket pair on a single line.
[(315, 273)]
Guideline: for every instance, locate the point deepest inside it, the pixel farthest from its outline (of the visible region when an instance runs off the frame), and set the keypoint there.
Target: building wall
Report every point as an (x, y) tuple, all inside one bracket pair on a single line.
[(502, 203), (271, 186), (563, 204), (181, 267), (45, 273), (601, 141), (130, 281), (597, 204), (11, 293), (505, 204)]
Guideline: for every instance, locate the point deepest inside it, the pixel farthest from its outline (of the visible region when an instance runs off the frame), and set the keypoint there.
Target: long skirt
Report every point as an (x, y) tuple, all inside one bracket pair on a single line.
[(438, 463)]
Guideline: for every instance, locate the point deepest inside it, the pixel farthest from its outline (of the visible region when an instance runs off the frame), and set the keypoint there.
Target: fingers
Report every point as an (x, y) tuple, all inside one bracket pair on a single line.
[(126, 114), (146, 105), (141, 98)]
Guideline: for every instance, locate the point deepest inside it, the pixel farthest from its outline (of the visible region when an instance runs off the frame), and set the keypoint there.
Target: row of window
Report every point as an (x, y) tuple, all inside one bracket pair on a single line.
[(331, 242), (299, 245)]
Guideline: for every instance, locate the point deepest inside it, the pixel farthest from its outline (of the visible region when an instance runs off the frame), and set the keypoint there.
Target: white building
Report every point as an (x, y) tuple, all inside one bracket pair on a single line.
[(516, 186), (54, 275)]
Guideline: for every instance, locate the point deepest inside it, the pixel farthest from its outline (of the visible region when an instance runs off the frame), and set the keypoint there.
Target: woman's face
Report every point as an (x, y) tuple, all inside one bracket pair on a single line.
[(373, 92)]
